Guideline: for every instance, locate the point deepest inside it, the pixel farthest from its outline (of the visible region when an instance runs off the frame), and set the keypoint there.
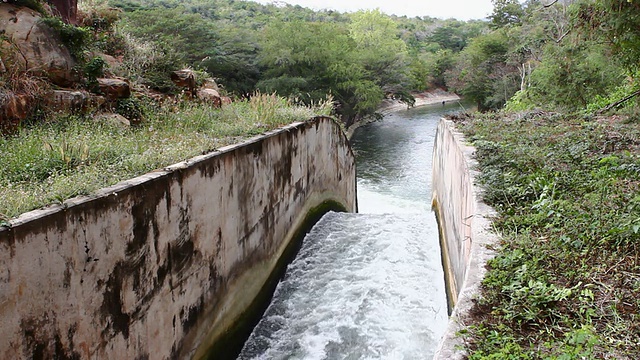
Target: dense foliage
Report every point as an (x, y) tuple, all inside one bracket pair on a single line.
[(561, 55), (565, 282), (358, 58)]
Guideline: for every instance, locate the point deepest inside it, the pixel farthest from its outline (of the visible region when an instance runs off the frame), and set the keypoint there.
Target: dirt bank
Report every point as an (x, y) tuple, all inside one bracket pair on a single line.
[(424, 98)]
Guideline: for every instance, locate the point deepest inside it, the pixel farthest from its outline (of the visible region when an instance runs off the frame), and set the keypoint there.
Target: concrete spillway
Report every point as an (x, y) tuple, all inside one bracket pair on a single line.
[(161, 266)]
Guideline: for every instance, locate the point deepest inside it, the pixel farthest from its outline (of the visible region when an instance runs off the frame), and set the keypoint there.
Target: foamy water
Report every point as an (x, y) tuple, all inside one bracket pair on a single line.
[(367, 285)]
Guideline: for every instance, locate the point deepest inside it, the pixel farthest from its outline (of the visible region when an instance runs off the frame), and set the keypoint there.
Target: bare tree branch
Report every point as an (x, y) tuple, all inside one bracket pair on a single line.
[(551, 4), (612, 105), (563, 36)]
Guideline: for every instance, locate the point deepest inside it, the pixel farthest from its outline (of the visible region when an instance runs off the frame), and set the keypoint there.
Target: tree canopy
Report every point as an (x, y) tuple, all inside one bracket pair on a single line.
[(560, 55), (358, 58)]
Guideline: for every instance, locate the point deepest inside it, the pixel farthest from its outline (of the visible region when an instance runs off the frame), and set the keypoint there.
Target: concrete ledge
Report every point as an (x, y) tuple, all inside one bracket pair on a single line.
[(465, 231)]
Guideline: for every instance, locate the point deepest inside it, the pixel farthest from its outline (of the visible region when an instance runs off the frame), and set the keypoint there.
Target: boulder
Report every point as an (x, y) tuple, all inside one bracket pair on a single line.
[(210, 84), (114, 88), (69, 100), (13, 110), (225, 100), (114, 119), (12, 60), (112, 63), (210, 96), (184, 78), (38, 46)]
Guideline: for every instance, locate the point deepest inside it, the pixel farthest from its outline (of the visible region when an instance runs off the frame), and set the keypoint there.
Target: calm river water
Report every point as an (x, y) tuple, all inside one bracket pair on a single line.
[(368, 285)]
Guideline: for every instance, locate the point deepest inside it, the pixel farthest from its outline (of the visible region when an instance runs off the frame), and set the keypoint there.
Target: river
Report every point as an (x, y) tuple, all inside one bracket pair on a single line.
[(368, 285)]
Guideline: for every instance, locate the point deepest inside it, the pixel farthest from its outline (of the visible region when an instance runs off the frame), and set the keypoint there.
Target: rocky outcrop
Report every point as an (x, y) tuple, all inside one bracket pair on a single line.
[(184, 78), (114, 89), (112, 63), (210, 84), (210, 96), (70, 100), (36, 47)]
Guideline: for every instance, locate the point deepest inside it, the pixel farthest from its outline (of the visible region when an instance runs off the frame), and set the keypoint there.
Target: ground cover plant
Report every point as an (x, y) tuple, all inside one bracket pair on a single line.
[(73, 155), (566, 281)]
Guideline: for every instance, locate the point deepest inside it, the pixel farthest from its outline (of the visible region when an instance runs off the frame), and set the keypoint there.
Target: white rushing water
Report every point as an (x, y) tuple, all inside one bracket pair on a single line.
[(367, 285)]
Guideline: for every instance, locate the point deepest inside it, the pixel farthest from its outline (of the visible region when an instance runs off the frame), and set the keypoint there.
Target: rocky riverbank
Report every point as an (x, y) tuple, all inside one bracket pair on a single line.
[(425, 98)]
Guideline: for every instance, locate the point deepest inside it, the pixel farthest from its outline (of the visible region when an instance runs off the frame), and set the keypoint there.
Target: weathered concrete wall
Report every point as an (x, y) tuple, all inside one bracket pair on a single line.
[(159, 266), (464, 225)]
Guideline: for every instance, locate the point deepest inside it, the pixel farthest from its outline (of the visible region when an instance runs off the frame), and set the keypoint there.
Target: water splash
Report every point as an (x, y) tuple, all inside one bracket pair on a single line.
[(368, 285)]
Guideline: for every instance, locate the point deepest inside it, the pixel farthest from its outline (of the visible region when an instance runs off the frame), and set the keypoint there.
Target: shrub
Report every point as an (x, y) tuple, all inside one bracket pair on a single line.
[(77, 39)]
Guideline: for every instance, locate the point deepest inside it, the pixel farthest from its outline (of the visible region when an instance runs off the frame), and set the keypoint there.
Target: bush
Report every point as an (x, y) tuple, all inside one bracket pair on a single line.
[(130, 108), (77, 39)]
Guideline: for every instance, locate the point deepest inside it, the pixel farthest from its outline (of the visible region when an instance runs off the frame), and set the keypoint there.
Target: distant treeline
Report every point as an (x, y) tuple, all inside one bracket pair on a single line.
[(565, 55), (358, 58)]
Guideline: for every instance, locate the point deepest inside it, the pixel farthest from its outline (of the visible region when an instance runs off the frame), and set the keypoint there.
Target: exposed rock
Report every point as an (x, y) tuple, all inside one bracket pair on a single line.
[(114, 88), (12, 60), (184, 78), (68, 100), (206, 94), (37, 45), (210, 96), (65, 9), (111, 62), (115, 119), (210, 84), (226, 100), (13, 110)]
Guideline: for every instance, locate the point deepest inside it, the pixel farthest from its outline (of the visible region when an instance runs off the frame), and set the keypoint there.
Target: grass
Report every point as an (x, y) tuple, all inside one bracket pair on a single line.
[(566, 281), (74, 155)]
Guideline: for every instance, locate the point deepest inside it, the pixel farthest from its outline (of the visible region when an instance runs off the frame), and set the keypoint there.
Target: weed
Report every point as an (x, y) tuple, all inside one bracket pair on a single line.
[(94, 69), (130, 108), (565, 281), (77, 39), (74, 155)]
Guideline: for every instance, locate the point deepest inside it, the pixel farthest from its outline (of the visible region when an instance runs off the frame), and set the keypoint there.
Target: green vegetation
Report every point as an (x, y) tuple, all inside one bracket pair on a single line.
[(75, 38), (76, 155), (564, 178), (560, 55), (306, 57), (565, 283), (358, 58)]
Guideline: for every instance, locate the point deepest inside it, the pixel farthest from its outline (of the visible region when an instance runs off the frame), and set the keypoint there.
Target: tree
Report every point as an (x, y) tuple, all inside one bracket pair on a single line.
[(380, 51), (506, 12), (573, 74), (617, 21), (189, 35), (307, 61), (450, 36), (482, 73)]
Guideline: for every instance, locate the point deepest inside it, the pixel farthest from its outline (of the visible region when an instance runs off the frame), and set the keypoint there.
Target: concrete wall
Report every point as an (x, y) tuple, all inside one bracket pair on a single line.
[(464, 225), (159, 266)]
